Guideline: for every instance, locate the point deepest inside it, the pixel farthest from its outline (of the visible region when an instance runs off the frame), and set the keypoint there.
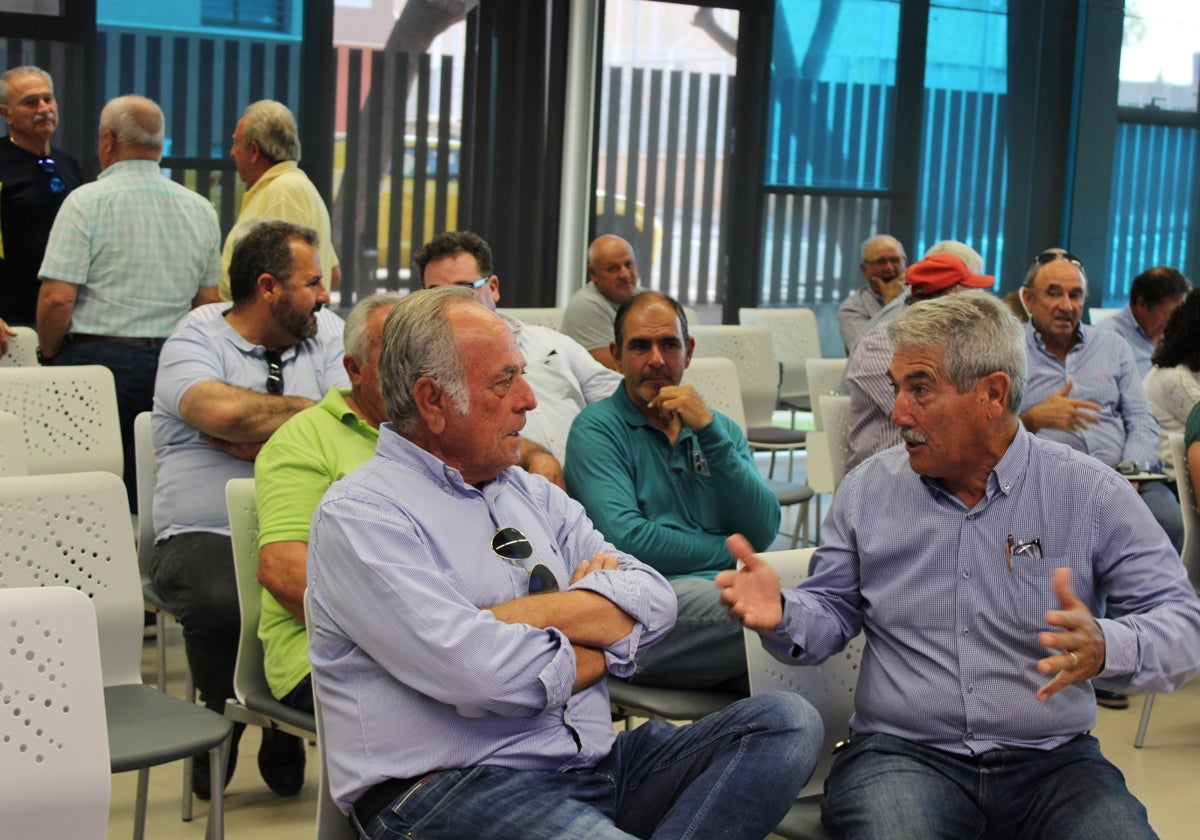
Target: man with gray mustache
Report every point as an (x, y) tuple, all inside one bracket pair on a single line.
[(35, 178)]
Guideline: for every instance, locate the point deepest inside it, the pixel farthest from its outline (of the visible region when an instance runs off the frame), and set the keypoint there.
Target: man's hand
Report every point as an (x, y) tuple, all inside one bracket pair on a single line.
[(682, 401), (1081, 640), (890, 289), (6, 332), (544, 464), (1058, 411), (600, 562), (245, 451), (752, 592)]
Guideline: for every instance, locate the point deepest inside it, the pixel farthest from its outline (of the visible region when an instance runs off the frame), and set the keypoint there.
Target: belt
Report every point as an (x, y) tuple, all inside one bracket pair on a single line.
[(84, 338), (381, 795)]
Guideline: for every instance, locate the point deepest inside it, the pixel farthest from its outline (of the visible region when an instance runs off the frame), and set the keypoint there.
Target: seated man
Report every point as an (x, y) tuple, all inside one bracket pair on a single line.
[(667, 480), (612, 278), (564, 378), (882, 267), (227, 378), (1153, 296), (974, 700), (292, 472), (1084, 387), (464, 615)]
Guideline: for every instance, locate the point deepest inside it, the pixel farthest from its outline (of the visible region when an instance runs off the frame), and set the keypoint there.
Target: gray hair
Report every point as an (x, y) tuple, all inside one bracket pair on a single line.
[(978, 335), (419, 341), (20, 71), (354, 337), (272, 126), (970, 257), (880, 238), (136, 122)]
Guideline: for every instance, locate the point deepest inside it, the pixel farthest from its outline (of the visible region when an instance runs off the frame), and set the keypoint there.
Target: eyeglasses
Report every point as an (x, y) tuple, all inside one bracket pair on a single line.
[(514, 547), (274, 373), (884, 262), (50, 168), (474, 284), (1052, 256)]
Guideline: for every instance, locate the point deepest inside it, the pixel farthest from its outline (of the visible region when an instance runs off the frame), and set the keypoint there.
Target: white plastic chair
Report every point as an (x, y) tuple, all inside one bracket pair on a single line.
[(716, 379), (1096, 314), (542, 316), (824, 377), (68, 415), (1191, 548), (795, 339), (22, 349), (54, 779), (13, 460), (828, 686), (73, 530)]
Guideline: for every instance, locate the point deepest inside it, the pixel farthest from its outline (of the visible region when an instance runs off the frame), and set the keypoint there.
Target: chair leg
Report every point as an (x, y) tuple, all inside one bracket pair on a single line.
[(160, 625), (1144, 724), (186, 798), (217, 757), (139, 805), (818, 525), (801, 522)]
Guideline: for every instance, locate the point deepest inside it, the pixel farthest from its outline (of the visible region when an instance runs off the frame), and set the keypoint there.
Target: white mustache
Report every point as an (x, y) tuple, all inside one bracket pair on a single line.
[(51, 118), (909, 436)]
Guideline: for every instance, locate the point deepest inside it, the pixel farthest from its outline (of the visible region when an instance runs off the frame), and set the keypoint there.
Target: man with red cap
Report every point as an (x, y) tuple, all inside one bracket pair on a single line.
[(871, 393)]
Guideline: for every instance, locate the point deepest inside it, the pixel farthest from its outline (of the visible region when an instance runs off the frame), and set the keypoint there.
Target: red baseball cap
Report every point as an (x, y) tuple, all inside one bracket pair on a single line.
[(939, 272)]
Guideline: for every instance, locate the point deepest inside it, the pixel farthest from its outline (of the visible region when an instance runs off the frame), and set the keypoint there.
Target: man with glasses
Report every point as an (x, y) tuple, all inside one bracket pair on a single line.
[(128, 256), (564, 378), (970, 559), (464, 617), (228, 377), (35, 179), (883, 263)]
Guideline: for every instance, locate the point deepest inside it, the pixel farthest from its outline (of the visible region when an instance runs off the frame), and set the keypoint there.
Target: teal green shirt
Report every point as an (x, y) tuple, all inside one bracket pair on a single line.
[(292, 472), (669, 506)]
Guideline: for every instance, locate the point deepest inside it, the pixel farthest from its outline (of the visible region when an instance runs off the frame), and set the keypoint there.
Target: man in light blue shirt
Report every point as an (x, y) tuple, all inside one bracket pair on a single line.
[(975, 697), (464, 615), (1152, 298), (128, 256)]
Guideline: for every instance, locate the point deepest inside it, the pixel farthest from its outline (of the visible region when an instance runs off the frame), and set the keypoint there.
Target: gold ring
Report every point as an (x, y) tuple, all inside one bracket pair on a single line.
[(1074, 659)]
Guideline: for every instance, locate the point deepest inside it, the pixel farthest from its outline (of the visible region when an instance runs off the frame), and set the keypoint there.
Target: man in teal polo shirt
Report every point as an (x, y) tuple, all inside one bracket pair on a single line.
[(666, 479)]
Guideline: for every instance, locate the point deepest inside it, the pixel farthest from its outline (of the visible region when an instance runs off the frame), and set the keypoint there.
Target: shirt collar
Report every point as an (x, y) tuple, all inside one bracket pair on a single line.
[(399, 449)]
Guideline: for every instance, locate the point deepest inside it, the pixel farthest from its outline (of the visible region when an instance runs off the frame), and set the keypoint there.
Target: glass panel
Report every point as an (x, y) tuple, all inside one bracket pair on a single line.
[(964, 167), (33, 7), (1153, 199), (1160, 67), (832, 98), (667, 78)]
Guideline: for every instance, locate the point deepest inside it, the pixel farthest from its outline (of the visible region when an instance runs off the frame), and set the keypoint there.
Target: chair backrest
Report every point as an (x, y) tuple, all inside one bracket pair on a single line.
[(836, 409), (248, 674), (542, 316), (73, 530), (1187, 505), (824, 377), (795, 339), (757, 369), (331, 823), (1096, 314), (22, 349), (147, 478), (716, 380), (13, 460), (69, 416), (828, 686), (55, 779)]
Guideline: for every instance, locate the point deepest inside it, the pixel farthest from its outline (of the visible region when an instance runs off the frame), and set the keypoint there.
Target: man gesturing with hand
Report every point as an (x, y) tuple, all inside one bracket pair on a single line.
[(970, 559)]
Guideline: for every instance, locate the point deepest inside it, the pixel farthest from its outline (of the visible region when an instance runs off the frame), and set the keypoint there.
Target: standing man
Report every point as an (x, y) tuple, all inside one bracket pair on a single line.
[(882, 265), (564, 378), (128, 256), (464, 616), (227, 379), (667, 480), (35, 178), (266, 149), (1152, 298), (612, 276), (974, 700)]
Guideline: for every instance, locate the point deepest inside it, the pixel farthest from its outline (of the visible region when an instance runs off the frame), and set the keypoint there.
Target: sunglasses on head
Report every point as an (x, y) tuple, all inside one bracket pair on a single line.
[(1052, 256), (514, 547)]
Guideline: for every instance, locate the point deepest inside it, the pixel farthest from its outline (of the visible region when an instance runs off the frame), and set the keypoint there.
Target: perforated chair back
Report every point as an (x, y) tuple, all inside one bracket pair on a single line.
[(68, 415), (795, 339), (147, 480), (757, 369), (22, 349), (828, 686), (836, 410), (541, 316), (715, 378), (1096, 314), (13, 460), (824, 377), (55, 779)]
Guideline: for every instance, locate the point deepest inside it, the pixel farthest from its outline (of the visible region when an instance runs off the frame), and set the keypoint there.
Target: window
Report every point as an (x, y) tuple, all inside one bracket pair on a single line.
[(268, 15)]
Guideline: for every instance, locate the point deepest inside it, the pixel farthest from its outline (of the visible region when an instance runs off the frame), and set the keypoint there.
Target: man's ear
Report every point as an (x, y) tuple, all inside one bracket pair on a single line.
[(268, 285), (994, 390), (431, 404)]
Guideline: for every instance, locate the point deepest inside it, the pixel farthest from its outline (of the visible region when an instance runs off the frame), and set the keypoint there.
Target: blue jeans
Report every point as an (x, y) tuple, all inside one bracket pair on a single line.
[(882, 786), (705, 648), (1165, 506), (733, 774)]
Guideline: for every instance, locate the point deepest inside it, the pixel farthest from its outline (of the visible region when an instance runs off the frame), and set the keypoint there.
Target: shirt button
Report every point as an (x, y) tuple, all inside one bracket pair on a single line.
[(970, 736), (965, 631), (971, 689), (970, 516), (445, 488), (966, 573), (567, 719)]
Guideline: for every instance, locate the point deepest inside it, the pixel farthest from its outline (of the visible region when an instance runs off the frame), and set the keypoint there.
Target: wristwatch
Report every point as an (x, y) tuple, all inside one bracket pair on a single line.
[(44, 360)]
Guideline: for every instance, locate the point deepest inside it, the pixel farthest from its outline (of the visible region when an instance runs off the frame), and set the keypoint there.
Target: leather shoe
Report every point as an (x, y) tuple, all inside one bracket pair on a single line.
[(1111, 700)]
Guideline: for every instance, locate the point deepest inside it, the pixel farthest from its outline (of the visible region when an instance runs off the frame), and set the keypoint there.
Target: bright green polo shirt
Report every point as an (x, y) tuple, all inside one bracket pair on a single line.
[(292, 472)]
